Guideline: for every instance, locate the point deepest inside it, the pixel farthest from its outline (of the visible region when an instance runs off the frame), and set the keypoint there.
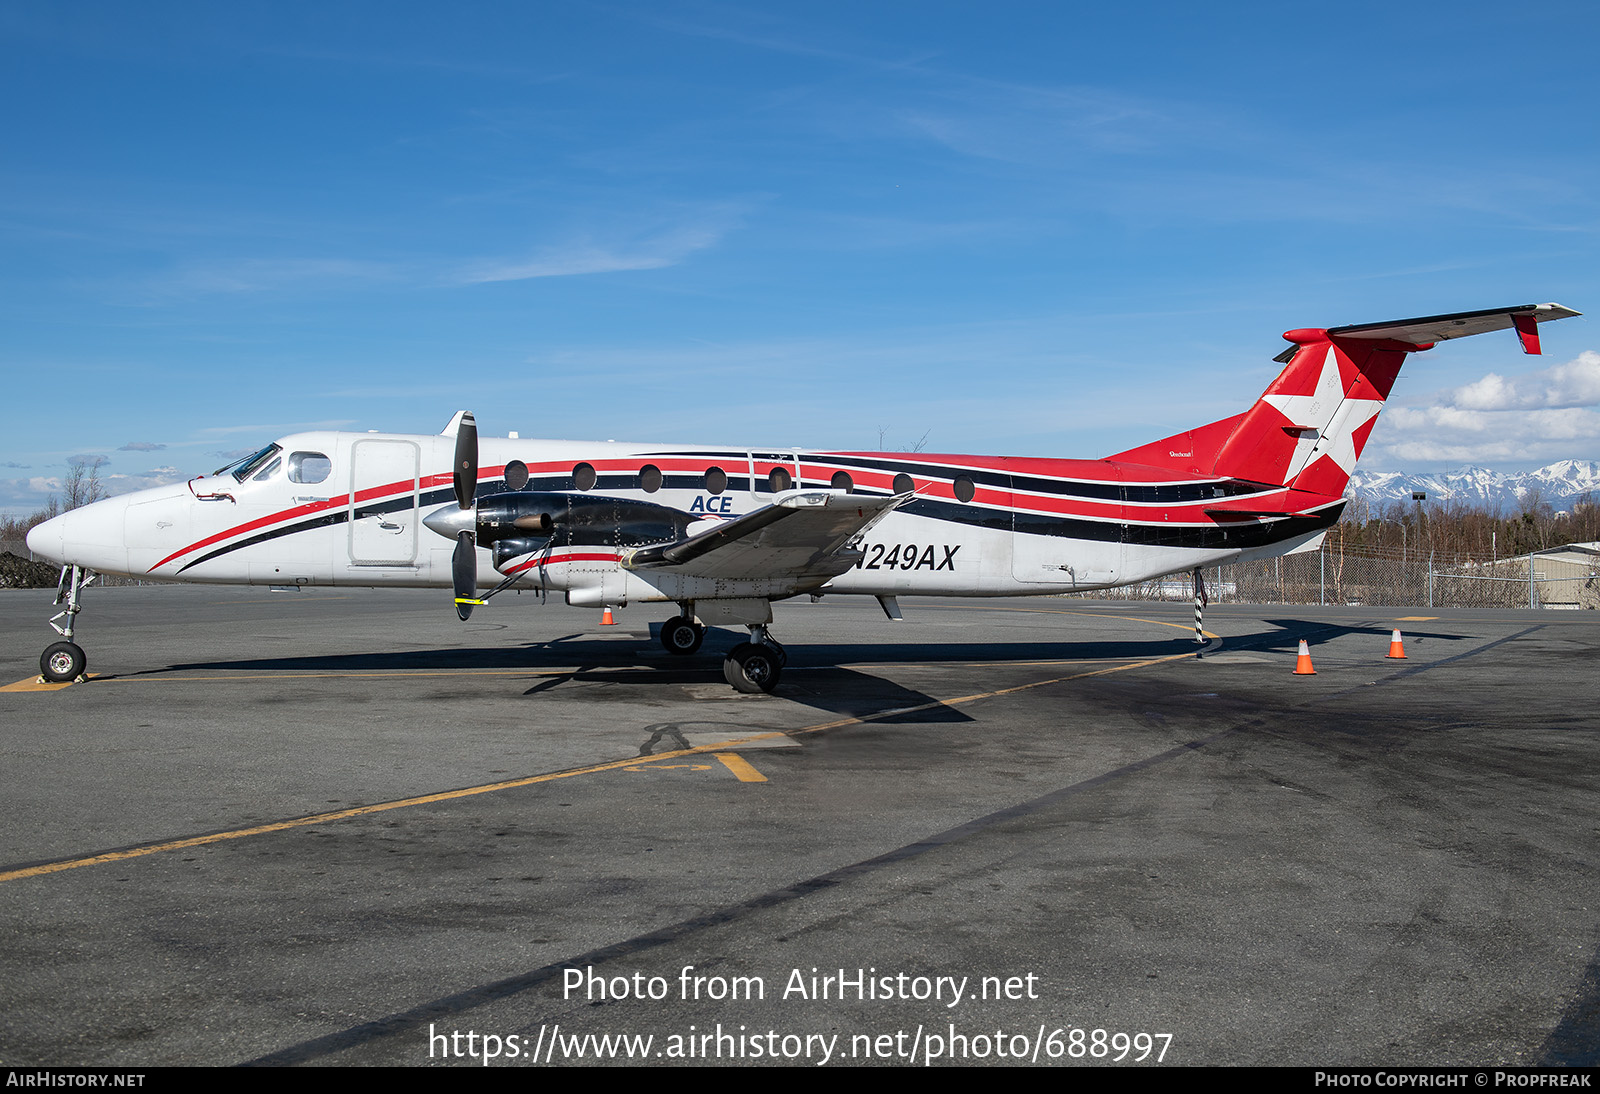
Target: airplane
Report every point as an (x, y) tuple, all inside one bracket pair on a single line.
[(723, 532)]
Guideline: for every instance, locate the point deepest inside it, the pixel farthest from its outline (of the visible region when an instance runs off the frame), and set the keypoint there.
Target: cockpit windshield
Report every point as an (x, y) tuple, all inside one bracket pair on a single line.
[(242, 469)]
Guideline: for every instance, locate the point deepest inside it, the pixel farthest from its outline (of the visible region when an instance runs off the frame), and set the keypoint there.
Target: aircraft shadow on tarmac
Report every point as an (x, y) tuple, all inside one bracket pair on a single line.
[(1290, 631), (816, 675), (813, 677), (647, 656)]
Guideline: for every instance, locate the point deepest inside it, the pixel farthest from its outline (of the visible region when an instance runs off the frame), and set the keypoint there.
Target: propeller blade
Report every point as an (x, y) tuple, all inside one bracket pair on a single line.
[(466, 467), (464, 569)]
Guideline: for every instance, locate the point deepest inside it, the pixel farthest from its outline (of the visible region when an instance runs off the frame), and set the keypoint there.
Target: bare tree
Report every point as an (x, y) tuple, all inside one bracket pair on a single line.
[(917, 447), (82, 484)]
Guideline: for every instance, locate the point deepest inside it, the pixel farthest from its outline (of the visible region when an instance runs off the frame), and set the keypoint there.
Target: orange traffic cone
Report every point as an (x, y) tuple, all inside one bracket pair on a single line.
[(605, 617), (1302, 664), (1396, 648)]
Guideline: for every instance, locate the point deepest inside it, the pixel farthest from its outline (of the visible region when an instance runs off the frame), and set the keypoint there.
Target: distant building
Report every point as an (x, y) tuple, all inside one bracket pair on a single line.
[(1563, 577)]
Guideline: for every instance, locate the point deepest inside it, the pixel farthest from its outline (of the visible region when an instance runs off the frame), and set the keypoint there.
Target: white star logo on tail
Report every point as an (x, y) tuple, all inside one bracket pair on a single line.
[(1333, 418)]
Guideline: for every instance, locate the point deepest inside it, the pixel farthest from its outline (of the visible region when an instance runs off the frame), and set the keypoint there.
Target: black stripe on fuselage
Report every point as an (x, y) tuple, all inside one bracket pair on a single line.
[(1204, 537), (327, 519)]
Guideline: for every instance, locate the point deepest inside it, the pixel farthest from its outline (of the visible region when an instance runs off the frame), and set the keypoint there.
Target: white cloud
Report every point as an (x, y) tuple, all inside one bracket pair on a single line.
[(1022, 124), (22, 496), (573, 259), (156, 476), (1574, 384), (1551, 414), (19, 497)]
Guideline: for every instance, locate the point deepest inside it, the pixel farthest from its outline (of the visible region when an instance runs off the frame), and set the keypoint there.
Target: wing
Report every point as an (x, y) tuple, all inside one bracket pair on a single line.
[(803, 535)]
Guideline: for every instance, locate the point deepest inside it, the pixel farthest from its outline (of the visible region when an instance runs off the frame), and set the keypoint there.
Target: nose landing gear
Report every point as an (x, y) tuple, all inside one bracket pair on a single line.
[(64, 662)]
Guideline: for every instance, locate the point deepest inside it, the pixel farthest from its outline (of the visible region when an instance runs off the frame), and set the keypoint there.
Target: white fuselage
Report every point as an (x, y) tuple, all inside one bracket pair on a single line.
[(346, 509)]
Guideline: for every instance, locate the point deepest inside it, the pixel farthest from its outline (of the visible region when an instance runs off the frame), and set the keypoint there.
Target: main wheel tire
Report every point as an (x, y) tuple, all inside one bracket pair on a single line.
[(681, 636), (752, 669), (62, 662)]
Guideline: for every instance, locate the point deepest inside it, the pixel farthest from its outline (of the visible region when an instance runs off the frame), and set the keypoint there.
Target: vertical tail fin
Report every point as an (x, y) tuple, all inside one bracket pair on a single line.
[(1309, 427)]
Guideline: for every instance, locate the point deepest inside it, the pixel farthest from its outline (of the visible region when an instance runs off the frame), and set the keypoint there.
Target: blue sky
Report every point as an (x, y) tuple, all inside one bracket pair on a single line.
[(1041, 229)]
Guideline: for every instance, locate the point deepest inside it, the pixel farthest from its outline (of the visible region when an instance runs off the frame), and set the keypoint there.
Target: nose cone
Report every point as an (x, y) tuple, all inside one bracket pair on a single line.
[(91, 537), (48, 539)]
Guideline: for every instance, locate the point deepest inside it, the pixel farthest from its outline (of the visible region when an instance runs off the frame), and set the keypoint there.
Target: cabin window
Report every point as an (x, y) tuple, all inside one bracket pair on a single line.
[(903, 484), (649, 478), (779, 479), (309, 467), (716, 480), (964, 488), (516, 474), (842, 481), (583, 476)]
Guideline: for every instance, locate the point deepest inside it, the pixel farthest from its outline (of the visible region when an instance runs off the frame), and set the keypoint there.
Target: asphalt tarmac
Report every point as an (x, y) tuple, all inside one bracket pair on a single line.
[(339, 827)]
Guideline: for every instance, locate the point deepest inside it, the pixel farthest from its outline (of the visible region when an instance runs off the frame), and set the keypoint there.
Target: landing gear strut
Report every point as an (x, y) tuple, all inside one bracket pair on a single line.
[(63, 662), (756, 665)]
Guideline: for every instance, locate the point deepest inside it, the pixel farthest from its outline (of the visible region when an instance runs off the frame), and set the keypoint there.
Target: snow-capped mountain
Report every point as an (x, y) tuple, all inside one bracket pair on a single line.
[(1560, 484)]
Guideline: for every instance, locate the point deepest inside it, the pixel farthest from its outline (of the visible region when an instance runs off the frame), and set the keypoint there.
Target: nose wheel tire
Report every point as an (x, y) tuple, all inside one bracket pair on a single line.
[(681, 636), (62, 662), (752, 669)]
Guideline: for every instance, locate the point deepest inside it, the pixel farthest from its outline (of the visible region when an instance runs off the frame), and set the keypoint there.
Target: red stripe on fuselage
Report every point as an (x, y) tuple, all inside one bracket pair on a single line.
[(425, 482), (558, 560)]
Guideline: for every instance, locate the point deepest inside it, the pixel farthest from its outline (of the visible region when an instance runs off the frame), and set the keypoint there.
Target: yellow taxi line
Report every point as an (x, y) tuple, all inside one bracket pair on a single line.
[(532, 780)]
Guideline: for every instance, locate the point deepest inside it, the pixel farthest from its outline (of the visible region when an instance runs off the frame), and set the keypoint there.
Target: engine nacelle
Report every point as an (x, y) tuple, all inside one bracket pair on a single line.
[(577, 519)]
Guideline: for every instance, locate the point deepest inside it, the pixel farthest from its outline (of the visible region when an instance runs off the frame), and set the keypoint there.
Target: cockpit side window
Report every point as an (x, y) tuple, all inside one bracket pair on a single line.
[(268, 471), (309, 467), (249, 465)]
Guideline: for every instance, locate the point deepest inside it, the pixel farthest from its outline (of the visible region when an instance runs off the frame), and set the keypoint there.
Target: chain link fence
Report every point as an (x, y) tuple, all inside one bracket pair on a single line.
[(1561, 578)]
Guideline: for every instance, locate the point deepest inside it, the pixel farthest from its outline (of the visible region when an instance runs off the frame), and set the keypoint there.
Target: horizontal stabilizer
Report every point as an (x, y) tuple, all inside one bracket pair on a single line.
[(1431, 329)]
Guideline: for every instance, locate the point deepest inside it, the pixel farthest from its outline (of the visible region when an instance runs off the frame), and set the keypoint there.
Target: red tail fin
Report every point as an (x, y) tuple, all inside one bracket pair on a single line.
[(1308, 429)]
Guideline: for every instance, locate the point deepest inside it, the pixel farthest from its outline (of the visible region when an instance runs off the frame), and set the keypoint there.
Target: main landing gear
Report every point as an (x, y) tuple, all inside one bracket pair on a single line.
[(751, 667), (64, 662), (756, 665), (681, 635)]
